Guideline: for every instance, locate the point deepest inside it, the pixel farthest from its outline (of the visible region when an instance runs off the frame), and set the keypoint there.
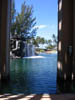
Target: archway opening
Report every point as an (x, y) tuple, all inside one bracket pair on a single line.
[(33, 47), (37, 46)]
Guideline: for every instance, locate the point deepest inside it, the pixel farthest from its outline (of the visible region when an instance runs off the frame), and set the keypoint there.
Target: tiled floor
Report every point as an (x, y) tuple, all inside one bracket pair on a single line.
[(37, 97)]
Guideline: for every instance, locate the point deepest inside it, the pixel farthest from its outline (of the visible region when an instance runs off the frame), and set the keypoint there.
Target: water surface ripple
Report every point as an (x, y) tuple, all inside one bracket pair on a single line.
[(30, 76)]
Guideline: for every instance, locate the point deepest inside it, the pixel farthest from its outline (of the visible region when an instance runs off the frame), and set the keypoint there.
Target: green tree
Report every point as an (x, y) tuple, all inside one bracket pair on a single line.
[(38, 40), (54, 39), (49, 42), (13, 12), (13, 18), (25, 22), (35, 42), (42, 41), (50, 47)]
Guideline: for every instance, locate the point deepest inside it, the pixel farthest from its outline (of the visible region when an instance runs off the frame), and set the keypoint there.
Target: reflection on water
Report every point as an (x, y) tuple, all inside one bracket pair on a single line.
[(32, 75)]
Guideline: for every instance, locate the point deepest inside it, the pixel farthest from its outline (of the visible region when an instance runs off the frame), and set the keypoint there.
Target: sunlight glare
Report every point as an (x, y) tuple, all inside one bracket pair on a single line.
[(30, 96), (60, 5), (59, 65), (45, 97), (59, 46), (60, 25)]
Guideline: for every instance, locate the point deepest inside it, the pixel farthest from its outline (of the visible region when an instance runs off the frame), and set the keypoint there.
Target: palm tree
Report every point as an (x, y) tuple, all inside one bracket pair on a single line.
[(54, 37)]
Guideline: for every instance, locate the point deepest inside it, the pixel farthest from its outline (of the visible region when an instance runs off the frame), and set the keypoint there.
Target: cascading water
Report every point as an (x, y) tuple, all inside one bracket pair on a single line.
[(16, 44), (33, 50), (29, 49), (24, 50)]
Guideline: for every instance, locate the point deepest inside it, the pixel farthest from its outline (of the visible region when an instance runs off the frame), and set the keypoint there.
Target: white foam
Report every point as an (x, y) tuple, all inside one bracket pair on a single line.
[(32, 57)]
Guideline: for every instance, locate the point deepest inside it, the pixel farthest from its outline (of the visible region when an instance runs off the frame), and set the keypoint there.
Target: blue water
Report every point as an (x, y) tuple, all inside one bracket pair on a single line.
[(30, 76)]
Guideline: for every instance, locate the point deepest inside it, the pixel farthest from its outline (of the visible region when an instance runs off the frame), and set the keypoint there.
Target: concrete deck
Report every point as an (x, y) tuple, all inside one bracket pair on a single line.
[(37, 97)]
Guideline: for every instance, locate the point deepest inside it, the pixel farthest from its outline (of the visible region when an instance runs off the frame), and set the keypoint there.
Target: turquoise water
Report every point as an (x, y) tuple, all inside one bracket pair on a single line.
[(32, 75)]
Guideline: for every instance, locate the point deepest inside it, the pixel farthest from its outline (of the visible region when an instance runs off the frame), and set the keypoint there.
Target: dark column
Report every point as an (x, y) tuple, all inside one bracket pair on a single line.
[(73, 74), (0, 31), (65, 37), (65, 45), (4, 38)]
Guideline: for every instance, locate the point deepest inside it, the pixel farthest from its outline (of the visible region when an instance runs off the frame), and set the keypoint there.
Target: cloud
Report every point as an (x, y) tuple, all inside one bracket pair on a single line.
[(40, 26), (46, 26)]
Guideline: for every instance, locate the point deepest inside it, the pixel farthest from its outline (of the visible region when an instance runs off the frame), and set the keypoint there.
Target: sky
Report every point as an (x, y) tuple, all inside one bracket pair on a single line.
[(45, 12)]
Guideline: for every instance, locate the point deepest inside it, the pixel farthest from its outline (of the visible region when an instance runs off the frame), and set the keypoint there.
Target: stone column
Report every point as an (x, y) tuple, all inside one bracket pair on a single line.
[(65, 45), (73, 74), (4, 38), (65, 39)]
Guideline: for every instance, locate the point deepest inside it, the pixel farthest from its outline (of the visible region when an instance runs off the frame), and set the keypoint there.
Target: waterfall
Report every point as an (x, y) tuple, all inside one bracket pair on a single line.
[(29, 49), (16, 44), (33, 50), (24, 50)]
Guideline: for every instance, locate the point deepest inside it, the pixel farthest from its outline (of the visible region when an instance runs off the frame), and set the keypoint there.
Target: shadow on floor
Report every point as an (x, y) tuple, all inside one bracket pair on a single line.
[(37, 97)]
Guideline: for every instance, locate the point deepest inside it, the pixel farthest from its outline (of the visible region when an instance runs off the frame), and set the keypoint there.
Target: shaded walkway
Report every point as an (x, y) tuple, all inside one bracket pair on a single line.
[(37, 97)]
